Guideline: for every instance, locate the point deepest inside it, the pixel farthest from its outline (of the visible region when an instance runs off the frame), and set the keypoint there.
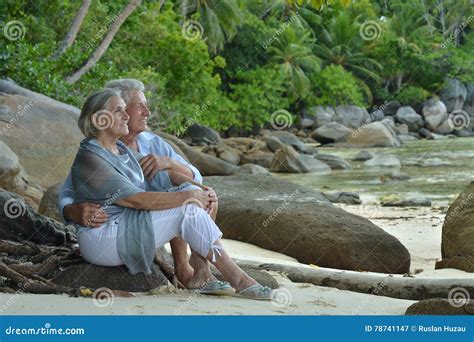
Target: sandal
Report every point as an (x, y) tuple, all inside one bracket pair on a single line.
[(257, 292)]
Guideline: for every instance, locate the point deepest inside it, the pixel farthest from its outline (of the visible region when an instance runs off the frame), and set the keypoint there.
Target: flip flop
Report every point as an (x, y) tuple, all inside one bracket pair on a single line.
[(216, 288), (257, 292)]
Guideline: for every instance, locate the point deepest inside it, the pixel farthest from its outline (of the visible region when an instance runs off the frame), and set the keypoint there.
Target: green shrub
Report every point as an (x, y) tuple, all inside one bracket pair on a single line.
[(412, 96)]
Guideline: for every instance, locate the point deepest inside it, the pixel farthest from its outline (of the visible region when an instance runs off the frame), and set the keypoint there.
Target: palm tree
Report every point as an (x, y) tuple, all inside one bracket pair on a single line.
[(219, 19), (292, 51), (340, 43)]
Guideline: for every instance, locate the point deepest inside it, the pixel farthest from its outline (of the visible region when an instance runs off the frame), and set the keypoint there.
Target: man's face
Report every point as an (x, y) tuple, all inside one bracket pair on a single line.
[(137, 108)]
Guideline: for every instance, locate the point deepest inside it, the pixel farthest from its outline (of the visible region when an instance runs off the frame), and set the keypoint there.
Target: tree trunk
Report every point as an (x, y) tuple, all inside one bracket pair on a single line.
[(117, 22), (74, 30)]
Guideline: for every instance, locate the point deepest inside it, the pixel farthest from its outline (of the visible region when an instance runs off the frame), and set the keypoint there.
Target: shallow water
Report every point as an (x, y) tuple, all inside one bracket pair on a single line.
[(439, 170)]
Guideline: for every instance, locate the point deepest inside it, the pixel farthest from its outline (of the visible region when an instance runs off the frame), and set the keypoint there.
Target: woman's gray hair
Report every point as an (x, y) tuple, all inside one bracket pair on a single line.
[(94, 103), (125, 86)]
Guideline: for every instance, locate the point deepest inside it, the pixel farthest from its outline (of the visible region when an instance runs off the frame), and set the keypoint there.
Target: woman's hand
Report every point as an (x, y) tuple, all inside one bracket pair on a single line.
[(213, 194), (86, 214)]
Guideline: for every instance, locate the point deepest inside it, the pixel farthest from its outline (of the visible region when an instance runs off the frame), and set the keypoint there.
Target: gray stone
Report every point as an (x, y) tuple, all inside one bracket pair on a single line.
[(307, 123), (281, 216), (330, 132), (49, 203), (334, 162), (253, 169), (273, 143), (363, 155), (408, 202), (374, 134), (224, 152), (286, 159), (391, 107), (406, 137), (440, 306), (408, 116), (322, 115), (434, 112), (20, 222), (289, 138), (343, 197), (381, 161), (351, 116), (453, 95), (203, 135), (259, 157), (401, 129), (113, 278)]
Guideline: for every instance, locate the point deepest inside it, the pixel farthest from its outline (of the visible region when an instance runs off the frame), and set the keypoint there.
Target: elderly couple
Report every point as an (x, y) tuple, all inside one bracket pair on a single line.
[(128, 193)]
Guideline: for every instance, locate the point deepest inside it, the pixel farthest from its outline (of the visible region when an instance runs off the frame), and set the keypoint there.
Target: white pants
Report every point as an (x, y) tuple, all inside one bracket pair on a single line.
[(193, 224)]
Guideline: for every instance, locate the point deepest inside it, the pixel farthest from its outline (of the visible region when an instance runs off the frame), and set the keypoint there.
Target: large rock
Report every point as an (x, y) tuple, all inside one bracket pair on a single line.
[(14, 178), (334, 162), (351, 116), (453, 95), (273, 143), (245, 144), (253, 169), (206, 164), (391, 107), (18, 222), (458, 232), (441, 306), (363, 155), (286, 159), (375, 134), (330, 132), (224, 152), (49, 203), (202, 135), (469, 104), (287, 218), (289, 138), (114, 278), (44, 137), (343, 197), (258, 156), (381, 161), (408, 116), (435, 113), (321, 115)]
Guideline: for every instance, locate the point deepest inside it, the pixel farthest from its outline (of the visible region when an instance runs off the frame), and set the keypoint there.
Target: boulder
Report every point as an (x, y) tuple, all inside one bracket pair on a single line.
[(343, 197), (391, 107), (286, 159), (441, 306), (307, 123), (351, 116), (202, 135), (363, 155), (205, 163), (330, 132), (289, 138), (469, 102), (258, 156), (273, 143), (14, 178), (376, 115), (381, 161), (406, 137), (18, 222), (113, 278), (45, 137), (401, 129), (445, 127), (407, 202), (287, 218), (453, 95), (224, 152), (334, 162), (321, 115), (408, 116), (253, 169), (435, 113), (374, 134), (458, 231), (245, 144), (49, 203)]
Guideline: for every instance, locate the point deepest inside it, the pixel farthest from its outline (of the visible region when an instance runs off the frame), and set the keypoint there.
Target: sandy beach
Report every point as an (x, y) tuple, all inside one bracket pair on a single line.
[(419, 229)]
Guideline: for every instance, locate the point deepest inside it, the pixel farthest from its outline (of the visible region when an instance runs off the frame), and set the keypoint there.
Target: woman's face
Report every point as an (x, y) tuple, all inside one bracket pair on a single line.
[(113, 120)]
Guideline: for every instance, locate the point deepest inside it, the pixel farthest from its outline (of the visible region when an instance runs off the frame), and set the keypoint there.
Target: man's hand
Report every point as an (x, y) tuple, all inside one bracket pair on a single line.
[(152, 163), (86, 214)]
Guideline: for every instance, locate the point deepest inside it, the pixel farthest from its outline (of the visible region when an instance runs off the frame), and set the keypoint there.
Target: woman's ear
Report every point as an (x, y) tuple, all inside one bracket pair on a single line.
[(102, 119)]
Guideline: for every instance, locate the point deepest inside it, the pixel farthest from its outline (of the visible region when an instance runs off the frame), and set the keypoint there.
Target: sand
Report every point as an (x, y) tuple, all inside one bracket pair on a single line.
[(419, 229)]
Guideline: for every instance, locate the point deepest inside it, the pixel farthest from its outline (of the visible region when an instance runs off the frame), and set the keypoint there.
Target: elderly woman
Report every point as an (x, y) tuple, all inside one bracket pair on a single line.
[(107, 172)]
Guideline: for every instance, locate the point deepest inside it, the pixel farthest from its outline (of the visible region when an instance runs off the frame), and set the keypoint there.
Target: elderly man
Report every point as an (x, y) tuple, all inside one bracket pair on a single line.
[(173, 170)]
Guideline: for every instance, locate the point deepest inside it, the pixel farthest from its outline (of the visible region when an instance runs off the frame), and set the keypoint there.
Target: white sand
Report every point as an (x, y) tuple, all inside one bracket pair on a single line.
[(418, 229)]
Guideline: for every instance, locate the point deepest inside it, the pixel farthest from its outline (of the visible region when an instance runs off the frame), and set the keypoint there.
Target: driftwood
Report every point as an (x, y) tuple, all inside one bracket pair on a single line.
[(395, 286)]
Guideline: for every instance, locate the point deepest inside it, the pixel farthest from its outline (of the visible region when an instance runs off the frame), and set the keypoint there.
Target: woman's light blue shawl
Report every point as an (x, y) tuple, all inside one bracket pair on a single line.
[(99, 176)]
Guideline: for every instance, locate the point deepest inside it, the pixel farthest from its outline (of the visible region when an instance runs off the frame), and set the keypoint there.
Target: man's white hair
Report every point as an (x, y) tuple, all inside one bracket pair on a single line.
[(125, 86)]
